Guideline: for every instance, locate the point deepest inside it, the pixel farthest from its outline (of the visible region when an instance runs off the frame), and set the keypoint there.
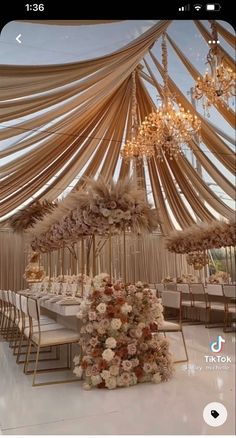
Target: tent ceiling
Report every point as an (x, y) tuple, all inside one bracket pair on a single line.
[(61, 122)]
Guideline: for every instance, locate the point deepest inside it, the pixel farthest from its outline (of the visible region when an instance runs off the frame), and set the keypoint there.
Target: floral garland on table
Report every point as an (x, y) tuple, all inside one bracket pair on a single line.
[(168, 279), (218, 278), (73, 279), (186, 278), (197, 259), (119, 340), (201, 237)]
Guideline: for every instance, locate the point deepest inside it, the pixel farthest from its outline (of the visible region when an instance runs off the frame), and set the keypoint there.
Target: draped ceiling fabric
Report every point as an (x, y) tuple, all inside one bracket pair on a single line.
[(77, 115)]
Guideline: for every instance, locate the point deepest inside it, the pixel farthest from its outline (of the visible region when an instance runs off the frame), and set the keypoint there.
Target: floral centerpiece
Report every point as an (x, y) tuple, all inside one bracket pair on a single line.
[(219, 277), (34, 272), (119, 341), (186, 278), (168, 279)]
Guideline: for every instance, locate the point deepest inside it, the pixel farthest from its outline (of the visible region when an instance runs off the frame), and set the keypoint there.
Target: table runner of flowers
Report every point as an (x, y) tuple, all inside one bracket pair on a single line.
[(119, 342)]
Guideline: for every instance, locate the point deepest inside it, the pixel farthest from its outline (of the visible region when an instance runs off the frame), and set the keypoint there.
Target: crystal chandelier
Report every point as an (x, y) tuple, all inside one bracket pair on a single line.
[(133, 150), (169, 126), (217, 86)]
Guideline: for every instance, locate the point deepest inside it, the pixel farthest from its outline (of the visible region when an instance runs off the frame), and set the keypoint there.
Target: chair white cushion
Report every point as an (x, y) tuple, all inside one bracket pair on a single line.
[(199, 304), (186, 303), (217, 306), (44, 328), (56, 337), (169, 326), (232, 308)]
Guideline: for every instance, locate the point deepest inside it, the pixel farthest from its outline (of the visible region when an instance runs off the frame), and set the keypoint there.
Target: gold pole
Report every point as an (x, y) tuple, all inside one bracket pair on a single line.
[(204, 258), (63, 261), (82, 265), (50, 269), (110, 265), (94, 255), (124, 245), (227, 261), (231, 263)]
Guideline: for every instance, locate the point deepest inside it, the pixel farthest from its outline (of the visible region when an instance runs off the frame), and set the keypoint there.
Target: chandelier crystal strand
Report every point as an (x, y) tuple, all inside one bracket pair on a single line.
[(169, 126), (217, 86)]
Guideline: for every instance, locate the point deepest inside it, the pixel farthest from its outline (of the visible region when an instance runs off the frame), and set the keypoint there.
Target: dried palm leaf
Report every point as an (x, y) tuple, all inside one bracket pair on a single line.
[(27, 217)]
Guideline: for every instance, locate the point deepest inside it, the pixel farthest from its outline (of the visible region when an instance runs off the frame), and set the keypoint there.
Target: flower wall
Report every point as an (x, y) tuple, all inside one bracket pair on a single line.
[(120, 345)]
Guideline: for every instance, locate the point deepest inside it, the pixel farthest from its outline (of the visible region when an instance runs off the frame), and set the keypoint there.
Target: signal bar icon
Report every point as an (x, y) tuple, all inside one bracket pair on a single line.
[(184, 8)]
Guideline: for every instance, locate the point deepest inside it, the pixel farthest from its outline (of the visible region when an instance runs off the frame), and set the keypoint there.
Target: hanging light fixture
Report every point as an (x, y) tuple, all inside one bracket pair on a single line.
[(217, 86), (169, 126), (133, 150)]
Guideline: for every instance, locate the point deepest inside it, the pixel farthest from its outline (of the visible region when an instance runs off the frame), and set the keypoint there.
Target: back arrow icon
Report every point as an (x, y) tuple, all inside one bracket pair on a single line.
[(18, 38)]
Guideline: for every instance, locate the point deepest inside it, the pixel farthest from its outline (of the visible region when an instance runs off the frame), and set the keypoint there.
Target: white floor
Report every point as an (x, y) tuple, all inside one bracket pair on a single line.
[(174, 407)]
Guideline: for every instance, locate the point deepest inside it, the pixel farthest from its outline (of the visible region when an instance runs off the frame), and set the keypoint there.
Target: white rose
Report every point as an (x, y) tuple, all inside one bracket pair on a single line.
[(156, 378), (114, 370), (116, 323), (101, 308), (110, 342), (96, 380), (108, 354), (139, 295), (126, 308), (87, 386), (78, 371), (110, 382), (76, 360), (105, 374)]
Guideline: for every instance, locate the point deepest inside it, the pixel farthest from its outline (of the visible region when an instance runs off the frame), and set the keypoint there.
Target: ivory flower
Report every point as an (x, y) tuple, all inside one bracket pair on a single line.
[(114, 370), (127, 365), (78, 371), (110, 342), (96, 379), (126, 308), (101, 308), (110, 383), (108, 354), (156, 378), (116, 323)]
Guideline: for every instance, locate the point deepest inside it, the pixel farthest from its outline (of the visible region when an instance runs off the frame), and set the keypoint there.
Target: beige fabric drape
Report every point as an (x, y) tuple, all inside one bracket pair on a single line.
[(147, 260), (20, 81), (228, 36)]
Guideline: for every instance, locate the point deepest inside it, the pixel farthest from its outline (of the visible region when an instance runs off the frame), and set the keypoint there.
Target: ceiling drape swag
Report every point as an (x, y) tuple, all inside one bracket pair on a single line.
[(166, 224), (42, 78), (228, 36), (177, 205), (185, 168), (189, 192)]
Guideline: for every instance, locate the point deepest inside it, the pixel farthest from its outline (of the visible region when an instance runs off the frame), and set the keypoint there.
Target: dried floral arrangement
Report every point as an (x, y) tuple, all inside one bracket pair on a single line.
[(119, 340), (197, 259), (218, 278), (168, 279), (28, 217), (187, 278), (204, 236), (100, 208)]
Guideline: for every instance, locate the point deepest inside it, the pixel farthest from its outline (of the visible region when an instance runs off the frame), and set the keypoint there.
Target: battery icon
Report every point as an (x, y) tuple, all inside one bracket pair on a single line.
[(213, 7)]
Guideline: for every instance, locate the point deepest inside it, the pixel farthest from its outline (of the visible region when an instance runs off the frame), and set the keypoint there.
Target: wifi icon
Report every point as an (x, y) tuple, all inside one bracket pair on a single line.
[(197, 7)]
